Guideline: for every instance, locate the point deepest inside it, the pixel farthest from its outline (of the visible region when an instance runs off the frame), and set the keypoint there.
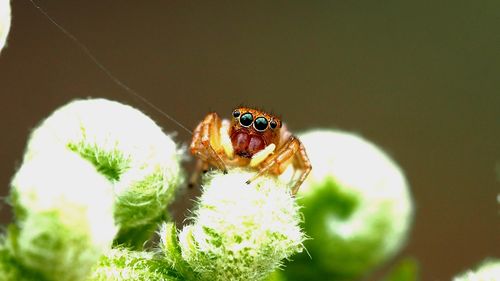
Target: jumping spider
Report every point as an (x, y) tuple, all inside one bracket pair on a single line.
[(252, 138)]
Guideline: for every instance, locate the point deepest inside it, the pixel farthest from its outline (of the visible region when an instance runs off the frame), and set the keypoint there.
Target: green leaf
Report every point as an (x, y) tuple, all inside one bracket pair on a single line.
[(173, 253)]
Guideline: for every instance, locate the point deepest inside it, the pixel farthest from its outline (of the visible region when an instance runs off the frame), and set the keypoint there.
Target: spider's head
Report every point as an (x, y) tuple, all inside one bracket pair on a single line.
[(252, 130), (257, 121)]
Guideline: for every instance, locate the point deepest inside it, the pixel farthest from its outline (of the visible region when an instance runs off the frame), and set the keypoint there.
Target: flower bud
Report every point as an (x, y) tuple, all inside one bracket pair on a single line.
[(128, 265), (128, 148), (64, 216), (4, 21), (487, 270), (239, 231), (357, 207)]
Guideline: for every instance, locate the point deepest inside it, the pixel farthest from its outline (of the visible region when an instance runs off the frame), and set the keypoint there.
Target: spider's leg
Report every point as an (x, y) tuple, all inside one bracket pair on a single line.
[(287, 151), (301, 161), (196, 149), (205, 137), (201, 167), (293, 148), (210, 137)]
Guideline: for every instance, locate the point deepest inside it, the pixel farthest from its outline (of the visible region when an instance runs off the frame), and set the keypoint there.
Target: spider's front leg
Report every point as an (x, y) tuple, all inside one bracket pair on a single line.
[(206, 146), (292, 149), (301, 162)]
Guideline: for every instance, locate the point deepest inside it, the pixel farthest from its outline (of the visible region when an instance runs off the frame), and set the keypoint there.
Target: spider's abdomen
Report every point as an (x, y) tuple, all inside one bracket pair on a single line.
[(245, 144)]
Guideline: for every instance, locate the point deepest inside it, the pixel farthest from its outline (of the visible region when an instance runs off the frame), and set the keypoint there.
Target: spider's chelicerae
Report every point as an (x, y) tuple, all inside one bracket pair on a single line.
[(252, 138)]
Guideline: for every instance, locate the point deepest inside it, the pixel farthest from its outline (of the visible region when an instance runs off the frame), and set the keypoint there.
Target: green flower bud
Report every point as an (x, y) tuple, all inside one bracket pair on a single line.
[(277, 275), (239, 231), (126, 147), (4, 21), (64, 212), (11, 269), (357, 207), (406, 269), (488, 270), (128, 265)]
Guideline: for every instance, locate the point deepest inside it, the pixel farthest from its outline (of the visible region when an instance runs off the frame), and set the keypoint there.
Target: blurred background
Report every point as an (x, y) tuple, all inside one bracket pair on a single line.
[(421, 80)]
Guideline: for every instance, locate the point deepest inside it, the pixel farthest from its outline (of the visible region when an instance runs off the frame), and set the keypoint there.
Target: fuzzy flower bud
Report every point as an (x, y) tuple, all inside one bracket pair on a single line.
[(239, 231), (4, 21), (127, 265), (489, 270), (126, 147), (64, 212), (357, 207), (11, 269)]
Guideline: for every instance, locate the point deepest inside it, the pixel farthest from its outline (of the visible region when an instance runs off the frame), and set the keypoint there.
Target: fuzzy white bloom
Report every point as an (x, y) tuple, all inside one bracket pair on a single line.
[(4, 21), (112, 127), (124, 145), (64, 212), (357, 203), (240, 231), (487, 271), (91, 168)]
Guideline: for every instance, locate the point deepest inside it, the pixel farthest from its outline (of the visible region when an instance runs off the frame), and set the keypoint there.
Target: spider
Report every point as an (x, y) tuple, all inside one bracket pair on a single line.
[(252, 138)]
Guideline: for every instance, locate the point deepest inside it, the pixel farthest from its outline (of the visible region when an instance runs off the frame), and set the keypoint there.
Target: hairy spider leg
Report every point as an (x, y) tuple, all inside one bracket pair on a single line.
[(201, 167), (301, 162), (206, 145), (294, 150)]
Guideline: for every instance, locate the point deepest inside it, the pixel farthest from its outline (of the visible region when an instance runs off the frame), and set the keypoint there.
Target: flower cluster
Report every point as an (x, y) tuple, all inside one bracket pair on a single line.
[(97, 177), (93, 187)]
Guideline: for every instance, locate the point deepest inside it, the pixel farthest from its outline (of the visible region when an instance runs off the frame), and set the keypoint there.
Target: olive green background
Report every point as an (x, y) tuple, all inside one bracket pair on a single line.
[(419, 78)]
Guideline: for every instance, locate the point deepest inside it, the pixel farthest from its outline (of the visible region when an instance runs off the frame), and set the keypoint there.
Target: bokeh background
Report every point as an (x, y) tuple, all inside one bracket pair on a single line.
[(421, 79)]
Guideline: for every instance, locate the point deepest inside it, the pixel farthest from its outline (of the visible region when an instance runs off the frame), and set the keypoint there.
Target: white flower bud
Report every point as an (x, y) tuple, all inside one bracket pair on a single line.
[(4, 21), (64, 212), (239, 231), (489, 270), (125, 146), (356, 203), (127, 265)]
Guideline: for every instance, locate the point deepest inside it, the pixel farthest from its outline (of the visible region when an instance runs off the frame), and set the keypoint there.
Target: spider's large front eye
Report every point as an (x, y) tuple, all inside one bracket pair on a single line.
[(236, 113), (246, 119), (260, 123)]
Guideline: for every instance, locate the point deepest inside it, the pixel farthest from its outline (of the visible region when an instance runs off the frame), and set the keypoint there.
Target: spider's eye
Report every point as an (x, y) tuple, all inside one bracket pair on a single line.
[(260, 123), (246, 119), (236, 113), (273, 124)]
